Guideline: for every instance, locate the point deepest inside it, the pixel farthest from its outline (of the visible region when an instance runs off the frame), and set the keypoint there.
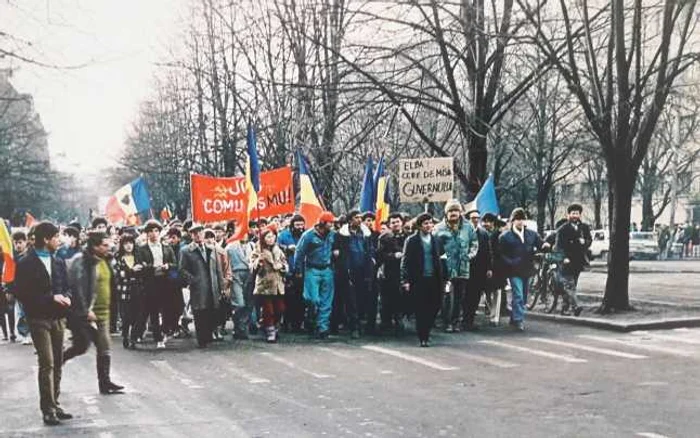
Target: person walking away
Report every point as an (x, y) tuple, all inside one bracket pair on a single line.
[(518, 246), (480, 271), (389, 255), (313, 263), (496, 282), (92, 281), (294, 287), (157, 286), (269, 265), (41, 287), (356, 253), (200, 269), (461, 244), (573, 240), (422, 275), (129, 270)]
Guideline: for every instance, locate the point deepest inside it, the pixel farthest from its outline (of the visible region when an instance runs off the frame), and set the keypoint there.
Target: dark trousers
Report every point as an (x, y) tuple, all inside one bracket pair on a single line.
[(476, 286), (338, 315), (392, 310), (47, 336), (204, 325), (294, 302), (130, 311), (370, 304), (272, 309), (173, 307), (427, 293), (114, 313), (155, 297), (356, 298), (8, 310)]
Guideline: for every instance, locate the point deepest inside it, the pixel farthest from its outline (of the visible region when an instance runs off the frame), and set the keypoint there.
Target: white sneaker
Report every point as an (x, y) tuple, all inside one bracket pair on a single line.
[(27, 341), (160, 345)]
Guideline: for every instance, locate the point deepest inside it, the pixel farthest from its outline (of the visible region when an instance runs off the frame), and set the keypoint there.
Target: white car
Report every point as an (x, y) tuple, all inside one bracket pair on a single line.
[(600, 247), (643, 245)]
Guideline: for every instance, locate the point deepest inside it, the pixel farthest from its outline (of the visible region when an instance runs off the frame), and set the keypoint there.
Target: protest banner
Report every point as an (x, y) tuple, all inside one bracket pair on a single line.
[(218, 199), (426, 179)]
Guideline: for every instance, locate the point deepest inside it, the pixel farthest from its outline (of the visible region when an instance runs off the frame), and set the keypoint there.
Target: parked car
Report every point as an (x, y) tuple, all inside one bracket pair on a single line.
[(644, 245), (600, 247)]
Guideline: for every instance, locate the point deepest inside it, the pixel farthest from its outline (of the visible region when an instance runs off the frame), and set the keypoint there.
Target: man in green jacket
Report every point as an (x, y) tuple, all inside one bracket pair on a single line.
[(461, 244)]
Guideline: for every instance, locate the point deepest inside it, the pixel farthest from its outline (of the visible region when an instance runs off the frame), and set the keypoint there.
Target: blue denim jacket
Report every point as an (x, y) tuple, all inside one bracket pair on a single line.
[(314, 250)]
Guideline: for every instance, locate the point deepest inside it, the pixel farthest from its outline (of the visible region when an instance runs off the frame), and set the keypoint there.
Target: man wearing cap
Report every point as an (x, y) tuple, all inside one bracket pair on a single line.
[(200, 268), (312, 262), (461, 244), (518, 246), (573, 239), (294, 289), (158, 260)]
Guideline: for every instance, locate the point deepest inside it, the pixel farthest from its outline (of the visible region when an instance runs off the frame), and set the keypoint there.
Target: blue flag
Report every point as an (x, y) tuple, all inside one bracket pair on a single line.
[(486, 200), (367, 197)]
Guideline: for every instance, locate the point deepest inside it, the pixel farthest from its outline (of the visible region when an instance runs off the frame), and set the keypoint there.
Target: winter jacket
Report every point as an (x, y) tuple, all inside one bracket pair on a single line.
[(314, 251), (288, 243), (129, 282), (270, 267), (461, 246), (483, 261), (204, 276), (82, 280), (34, 288), (389, 245), (356, 250), (412, 262), (516, 255), (574, 240)]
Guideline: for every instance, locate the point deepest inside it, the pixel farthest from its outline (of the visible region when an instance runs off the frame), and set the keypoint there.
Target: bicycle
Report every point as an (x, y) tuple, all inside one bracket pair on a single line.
[(544, 284)]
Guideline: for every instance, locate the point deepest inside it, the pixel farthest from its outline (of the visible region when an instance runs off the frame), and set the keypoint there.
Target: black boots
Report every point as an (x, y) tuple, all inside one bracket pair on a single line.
[(105, 384)]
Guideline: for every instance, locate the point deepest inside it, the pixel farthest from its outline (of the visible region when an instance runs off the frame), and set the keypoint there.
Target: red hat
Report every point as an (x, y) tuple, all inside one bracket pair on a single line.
[(326, 217)]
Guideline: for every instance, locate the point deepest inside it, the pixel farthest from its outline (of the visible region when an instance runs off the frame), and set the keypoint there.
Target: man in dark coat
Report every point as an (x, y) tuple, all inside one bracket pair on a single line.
[(518, 246), (423, 274), (201, 270), (158, 288), (41, 286), (480, 270), (573, 240), (389, 255), (496, 283)]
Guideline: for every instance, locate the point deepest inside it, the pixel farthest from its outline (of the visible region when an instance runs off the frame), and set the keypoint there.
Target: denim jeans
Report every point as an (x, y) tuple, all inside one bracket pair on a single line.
[(519, 286), (318, 292), (242, 300)]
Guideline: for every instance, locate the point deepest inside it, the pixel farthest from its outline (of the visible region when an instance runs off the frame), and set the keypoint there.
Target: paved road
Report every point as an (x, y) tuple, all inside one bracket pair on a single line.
[(550, 381)]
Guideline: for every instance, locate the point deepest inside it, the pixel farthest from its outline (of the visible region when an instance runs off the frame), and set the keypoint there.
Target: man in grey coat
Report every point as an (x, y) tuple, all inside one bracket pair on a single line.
[(200, 268)]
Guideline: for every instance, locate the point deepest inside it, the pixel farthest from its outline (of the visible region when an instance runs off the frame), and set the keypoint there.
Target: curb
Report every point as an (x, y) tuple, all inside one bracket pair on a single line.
[(658, 324), (650, 271)]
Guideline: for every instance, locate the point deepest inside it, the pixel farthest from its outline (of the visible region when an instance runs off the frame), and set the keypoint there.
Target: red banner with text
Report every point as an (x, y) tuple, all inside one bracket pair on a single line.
[(220, 199)]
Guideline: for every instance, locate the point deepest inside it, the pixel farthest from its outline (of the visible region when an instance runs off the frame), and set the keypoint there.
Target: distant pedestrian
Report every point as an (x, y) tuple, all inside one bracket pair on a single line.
[(573, 240)]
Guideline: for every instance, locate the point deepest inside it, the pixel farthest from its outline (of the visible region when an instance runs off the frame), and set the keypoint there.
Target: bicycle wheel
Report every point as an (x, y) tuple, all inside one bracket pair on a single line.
[(534, 291), (555, 292)]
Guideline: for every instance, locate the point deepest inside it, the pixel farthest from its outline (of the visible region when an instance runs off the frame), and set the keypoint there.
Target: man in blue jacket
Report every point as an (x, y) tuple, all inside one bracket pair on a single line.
[(312, 262), (294, 289), (517, 246)]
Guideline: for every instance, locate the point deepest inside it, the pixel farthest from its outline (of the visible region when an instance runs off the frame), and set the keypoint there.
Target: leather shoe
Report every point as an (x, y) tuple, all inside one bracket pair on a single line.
[(51, 420), (63, 415)]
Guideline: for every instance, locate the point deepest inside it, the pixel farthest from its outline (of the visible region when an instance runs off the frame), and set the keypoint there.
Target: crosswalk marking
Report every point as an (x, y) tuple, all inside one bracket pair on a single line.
[(535, 352), (484, 359), (590, 349), (638, 345), (410, 358), (251, 378), (167, 368), (337, 353), (651, 435), (678, 338), (292, 365)]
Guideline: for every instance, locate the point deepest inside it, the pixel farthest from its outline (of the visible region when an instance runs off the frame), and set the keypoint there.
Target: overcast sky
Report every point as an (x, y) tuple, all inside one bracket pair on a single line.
[(87, 110)]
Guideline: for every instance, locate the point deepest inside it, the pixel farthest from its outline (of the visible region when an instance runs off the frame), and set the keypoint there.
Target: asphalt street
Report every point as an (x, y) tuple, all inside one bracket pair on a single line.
[(551, 381)]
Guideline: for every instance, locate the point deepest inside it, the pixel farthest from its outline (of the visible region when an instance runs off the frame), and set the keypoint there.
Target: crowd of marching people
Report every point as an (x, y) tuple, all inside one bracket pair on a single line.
[(337, 275)]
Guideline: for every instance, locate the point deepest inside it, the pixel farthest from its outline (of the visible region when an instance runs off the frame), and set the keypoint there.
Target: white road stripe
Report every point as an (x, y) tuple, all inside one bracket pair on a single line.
[(251, 378), (337, 353), (678, 338), (410, 358), (638, 345), (534, 352), (651, 435), (293, 366), (590, 349), (484, 359), (182, 378)]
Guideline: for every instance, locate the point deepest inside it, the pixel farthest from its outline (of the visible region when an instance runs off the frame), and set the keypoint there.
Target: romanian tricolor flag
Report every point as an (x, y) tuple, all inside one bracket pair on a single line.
[(309, 204), (166, 214), (381, 182), (124, 206), (6, 250), (252, 175)]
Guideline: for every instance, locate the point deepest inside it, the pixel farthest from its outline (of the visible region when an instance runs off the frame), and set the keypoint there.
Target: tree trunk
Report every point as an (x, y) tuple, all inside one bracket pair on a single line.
[(477, 156), (542, 195), (597, 207), (616, 288), (647, 211)]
